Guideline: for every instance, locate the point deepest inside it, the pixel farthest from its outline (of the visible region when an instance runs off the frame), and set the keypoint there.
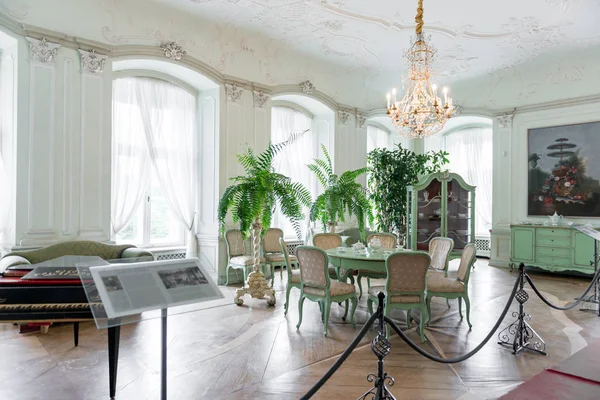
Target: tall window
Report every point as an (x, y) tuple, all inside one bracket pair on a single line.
[(470, 155), (153, 183), (292, 160), (377, 138)]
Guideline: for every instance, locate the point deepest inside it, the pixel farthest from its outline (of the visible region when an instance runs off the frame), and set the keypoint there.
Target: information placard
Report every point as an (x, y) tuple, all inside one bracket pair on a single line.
[(588, 230), (131, 289)]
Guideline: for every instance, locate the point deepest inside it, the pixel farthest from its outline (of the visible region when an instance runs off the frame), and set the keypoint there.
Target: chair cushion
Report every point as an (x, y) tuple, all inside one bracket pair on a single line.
[(243, 260), (295, 278), (374, 290), (337, 288), (434, 272), (440, 284), (278, 257)]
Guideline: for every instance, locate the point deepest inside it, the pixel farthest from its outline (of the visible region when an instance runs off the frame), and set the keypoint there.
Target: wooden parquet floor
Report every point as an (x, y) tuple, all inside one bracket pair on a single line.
[(254, 352)]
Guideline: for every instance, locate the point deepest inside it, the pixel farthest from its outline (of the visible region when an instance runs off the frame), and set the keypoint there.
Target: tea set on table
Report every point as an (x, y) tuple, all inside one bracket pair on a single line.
[(374, 247), (553, 220)]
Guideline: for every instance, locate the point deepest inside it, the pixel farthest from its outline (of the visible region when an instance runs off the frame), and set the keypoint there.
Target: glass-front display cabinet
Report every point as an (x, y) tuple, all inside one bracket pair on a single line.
[(441, 204)]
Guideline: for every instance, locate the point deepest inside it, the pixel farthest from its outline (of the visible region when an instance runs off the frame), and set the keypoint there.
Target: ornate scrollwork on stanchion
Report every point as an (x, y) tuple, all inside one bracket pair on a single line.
[(520, 335), (381, 347)]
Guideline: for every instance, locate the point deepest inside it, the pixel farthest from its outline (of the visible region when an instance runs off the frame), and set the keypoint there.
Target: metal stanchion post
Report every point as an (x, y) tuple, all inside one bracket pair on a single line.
[(592, 303), (519, 334)]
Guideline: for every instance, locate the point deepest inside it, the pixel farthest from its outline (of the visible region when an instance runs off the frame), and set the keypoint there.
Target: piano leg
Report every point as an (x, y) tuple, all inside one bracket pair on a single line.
[(114, 334), (76, 333)]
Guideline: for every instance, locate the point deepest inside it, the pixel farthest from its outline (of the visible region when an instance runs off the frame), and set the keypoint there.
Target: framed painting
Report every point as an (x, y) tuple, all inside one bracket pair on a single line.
[(564, 170)]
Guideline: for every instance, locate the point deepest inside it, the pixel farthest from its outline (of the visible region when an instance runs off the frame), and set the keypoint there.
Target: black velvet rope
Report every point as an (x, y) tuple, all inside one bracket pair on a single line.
[(342, 358), (579, 300), (465, 356)]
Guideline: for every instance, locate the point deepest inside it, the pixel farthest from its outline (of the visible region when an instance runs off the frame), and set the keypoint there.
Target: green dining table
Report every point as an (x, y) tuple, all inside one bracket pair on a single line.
[(346, 262)]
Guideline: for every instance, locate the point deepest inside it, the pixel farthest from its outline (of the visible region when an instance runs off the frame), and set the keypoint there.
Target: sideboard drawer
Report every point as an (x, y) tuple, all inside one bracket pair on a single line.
[(549, 261), (552, 252), (553, 241), (553, 232)]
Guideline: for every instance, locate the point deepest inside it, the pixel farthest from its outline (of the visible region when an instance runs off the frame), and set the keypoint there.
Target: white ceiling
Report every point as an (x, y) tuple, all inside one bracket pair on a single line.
[(351, 50), (472, 36)]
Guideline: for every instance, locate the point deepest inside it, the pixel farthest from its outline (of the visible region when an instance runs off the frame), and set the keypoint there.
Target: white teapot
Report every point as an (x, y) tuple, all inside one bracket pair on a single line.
[(358, 247), (555, 219)]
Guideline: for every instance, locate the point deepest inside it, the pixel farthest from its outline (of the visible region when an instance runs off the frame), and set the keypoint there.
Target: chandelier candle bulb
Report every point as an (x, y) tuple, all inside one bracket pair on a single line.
[(388, 100)]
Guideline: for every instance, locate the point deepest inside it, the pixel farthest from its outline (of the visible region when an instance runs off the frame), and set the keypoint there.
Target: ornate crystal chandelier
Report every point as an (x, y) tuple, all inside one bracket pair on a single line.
[(420, 113)]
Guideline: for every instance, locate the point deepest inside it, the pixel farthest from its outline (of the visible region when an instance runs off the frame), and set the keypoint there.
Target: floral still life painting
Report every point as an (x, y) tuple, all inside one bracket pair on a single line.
[(564, 170)]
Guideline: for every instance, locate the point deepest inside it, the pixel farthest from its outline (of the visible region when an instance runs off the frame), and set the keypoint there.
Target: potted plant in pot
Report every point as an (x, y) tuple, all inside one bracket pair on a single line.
[(341, 195), (390, 172), (252, 200)]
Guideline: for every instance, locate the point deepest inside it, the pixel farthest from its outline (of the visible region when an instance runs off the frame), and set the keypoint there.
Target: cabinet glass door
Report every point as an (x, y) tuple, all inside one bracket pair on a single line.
[(429, 214), (459, 214)]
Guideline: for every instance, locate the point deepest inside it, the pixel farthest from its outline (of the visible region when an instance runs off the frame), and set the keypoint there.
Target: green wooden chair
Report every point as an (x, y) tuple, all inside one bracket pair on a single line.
[(272, 252), (238, 256), (316, 285), (326, 241), (458, 288), (293, 274), (388, 241), (406, 286)]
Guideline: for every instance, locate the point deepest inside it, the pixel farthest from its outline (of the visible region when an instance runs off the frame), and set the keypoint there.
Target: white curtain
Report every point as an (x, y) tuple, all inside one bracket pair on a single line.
[(168, 115), (292, 160), (377, 138), (471, 157), (131, 161), (161, 138)]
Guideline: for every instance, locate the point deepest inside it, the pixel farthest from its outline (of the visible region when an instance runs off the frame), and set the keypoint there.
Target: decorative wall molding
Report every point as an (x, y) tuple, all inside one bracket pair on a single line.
[(41, 50), (505, 121), (343, 116), (307, 87), (92, 62), (172, 50), (233, 92), (260, 98), (361, 119)]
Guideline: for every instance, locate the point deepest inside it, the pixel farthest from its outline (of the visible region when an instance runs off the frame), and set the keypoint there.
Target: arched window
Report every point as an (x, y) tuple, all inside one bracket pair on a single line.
[(153, 185)]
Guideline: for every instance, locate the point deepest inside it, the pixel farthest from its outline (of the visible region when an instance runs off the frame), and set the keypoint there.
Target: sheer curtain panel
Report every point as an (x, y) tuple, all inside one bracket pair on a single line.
[(131, 161), (168, 115), (292, 160)]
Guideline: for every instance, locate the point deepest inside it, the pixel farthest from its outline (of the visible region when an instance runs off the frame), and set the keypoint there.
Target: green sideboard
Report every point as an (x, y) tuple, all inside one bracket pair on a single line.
[(553, 248)]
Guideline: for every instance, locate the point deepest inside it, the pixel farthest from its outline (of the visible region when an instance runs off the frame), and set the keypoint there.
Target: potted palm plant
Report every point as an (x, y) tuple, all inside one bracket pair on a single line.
[(341, 195), (252, 200)]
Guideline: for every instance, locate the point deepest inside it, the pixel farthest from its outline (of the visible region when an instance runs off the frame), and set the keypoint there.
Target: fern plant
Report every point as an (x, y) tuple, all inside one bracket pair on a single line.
[(253, 197), (342, 195)]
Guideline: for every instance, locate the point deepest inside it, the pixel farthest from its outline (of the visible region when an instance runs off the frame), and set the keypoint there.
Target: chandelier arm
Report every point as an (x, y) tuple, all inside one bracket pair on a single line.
[(419, 18)]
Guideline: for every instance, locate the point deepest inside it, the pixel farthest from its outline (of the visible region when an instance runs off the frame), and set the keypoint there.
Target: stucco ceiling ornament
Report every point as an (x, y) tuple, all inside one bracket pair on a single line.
[(172, 50), (361, 119), (92, 62), (505, 121), (233, 92), (343, 116), (457, 110), (41, 50), (307, 87)]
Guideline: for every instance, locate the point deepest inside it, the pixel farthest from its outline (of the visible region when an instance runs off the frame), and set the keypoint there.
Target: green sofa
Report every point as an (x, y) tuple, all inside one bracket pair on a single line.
[(73, 248)]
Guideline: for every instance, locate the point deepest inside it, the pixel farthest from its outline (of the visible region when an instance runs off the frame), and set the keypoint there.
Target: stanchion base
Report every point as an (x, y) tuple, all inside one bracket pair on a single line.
[(521, 336), (590, 304), (380, 390)]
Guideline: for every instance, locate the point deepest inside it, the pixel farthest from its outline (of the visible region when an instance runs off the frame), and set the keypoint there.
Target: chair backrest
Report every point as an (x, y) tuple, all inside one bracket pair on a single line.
[(286, 256), (439, 250), (271, 240), (467, 259), (313, 266), (235, 243), (326, 241), (407, 272), (388, 240)]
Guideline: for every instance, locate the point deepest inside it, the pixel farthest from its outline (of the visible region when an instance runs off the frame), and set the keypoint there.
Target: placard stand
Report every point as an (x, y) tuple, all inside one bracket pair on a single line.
[(124, 294), (592, 303)]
